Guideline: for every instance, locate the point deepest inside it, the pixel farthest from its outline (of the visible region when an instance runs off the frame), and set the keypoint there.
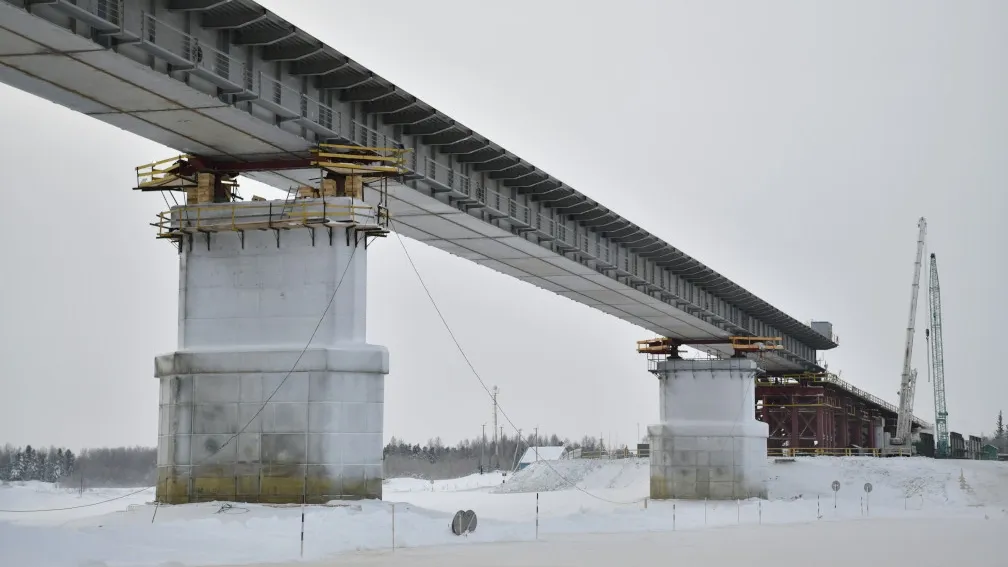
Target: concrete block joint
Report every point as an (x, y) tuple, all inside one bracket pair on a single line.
[(708, 444), (246, 312)]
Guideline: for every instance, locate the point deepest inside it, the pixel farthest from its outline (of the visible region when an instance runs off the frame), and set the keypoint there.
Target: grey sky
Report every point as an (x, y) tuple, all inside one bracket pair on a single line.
[(789, 145)]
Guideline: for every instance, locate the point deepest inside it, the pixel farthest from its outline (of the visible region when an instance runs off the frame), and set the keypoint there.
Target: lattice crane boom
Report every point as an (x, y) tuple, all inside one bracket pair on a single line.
[(937, 363), (908, 381)]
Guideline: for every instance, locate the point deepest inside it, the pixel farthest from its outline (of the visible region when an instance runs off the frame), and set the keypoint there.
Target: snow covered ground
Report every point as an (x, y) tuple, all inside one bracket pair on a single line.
[(609, 497)]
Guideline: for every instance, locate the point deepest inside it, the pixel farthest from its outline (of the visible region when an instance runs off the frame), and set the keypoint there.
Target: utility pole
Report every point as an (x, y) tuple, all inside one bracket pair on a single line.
[(482, 448), (536, 443), (496, 439), (514, 461)]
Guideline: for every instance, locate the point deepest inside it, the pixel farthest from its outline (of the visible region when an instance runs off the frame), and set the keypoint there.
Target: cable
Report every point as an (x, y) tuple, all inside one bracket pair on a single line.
[(244, 427), (482, 383), (120, 497)]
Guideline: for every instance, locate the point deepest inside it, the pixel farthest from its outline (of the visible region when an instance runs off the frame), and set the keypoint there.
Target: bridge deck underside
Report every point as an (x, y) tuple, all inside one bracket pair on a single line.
[(131, 87)]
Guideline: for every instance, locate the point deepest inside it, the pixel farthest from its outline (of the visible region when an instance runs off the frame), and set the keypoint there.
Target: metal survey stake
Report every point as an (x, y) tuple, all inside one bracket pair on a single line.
[(536, 516), (867, 489)]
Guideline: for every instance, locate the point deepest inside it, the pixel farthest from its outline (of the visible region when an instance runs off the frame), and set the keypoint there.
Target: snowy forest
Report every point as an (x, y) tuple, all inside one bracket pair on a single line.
[(435, 460), (137, 466), (47, 465), (120, 466)]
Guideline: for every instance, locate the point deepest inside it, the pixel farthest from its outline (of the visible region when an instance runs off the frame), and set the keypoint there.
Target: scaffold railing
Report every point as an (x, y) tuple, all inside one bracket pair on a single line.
[(237, 217), (786, 452), (159, 174), (357, 160), (833, 379)]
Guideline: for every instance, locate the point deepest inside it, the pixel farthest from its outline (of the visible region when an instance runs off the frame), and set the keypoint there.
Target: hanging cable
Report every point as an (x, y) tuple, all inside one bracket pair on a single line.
[(482, 383)]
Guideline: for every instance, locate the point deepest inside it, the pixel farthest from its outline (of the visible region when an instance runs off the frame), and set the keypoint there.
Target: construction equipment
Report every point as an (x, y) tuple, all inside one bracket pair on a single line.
[(901, 442), (938, 364), (740, 345), (211, 190), (663, 348)]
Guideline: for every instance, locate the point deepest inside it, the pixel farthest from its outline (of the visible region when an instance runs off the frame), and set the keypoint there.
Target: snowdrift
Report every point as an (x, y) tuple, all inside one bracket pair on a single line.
[(589, 474), (562, 497)]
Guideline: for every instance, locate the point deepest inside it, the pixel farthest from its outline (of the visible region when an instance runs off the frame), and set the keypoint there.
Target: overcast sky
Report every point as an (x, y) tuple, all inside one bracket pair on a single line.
[(790, 145)]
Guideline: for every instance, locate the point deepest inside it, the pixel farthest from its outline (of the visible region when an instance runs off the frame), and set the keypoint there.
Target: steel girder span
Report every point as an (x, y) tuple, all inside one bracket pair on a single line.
[(229, 81)]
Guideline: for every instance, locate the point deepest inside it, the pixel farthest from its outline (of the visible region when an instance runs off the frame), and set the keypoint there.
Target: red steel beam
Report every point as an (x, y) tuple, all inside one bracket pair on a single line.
[(198, 164)]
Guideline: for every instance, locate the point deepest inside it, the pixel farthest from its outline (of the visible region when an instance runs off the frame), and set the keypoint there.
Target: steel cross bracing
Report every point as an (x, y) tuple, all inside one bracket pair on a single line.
[(820, 412), (228, 80)]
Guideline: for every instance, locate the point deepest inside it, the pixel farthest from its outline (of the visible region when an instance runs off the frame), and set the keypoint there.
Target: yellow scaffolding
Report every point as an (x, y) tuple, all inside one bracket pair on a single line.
[(756, 344), (357, 160), (239, 217), (787, 452), (163, 174), (665, 345)]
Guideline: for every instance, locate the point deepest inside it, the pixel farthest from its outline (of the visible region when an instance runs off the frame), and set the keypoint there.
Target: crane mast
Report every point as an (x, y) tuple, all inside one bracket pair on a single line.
[(908, 380), (938, 364)]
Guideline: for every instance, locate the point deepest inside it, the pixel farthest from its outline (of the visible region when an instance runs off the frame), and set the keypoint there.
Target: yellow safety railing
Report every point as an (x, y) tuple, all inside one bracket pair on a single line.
[(822, 452), (665, 345), (360, 159), (222, 217), (830, 378), (158, 173), (755, 344)]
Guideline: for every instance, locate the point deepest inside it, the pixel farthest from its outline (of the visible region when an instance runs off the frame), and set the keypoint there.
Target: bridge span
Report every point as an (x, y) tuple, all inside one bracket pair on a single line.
[(236, 84), (233, 81)]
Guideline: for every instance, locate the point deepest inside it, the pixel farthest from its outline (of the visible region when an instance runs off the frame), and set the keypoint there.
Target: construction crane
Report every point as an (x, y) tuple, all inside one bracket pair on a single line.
[(908, 382), (938, 364)]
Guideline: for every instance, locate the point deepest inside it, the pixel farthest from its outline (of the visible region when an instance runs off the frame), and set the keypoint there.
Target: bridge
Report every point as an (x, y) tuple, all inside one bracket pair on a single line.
[(237, 88)]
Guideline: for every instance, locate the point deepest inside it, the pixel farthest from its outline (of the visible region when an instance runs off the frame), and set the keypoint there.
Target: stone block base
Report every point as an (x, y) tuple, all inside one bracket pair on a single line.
[(714, 461), (318, 438)]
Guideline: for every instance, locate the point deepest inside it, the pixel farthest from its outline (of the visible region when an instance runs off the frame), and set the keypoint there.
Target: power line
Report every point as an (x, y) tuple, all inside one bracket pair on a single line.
[(244, 427), (120, 497), (482, 383)]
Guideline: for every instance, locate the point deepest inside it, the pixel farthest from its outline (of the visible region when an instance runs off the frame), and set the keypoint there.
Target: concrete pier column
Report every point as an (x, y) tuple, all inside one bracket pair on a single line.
[(708, 444), (249, 302)]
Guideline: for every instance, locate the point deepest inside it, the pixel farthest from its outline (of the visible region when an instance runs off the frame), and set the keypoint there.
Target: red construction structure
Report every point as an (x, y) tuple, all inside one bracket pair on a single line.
[(820, 413), (807, 413)]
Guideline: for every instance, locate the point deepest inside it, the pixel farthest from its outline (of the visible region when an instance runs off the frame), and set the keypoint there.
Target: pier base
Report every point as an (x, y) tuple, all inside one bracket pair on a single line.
[(247, 412), (709, 444)]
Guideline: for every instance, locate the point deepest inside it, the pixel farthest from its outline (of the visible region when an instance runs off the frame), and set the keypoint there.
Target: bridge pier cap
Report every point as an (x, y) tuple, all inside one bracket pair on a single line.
[(708, 445), (250, 298)]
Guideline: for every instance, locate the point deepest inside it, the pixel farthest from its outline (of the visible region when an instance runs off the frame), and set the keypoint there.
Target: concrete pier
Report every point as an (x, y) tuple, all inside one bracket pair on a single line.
[(709, 443), (254, 280)]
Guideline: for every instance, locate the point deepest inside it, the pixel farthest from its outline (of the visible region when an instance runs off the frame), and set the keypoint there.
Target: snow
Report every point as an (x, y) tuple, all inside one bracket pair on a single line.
[(607, 497), (820, 544), (590, 474), (533, 454)]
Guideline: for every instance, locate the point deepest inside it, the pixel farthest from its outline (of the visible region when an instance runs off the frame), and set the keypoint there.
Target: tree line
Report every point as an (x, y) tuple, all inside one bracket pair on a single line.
[(434, 460), (46, 465), (137, 466), (103, 467)]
